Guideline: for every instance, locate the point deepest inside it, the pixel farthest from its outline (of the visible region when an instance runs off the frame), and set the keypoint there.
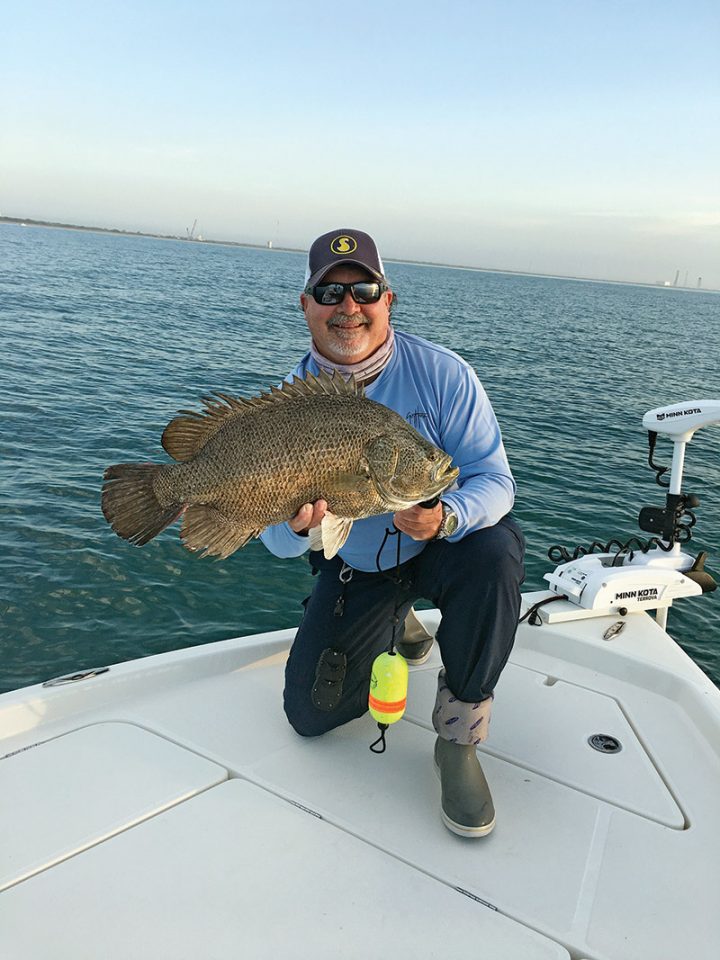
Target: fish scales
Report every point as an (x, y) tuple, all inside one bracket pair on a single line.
[(268, 463), (248, 464)]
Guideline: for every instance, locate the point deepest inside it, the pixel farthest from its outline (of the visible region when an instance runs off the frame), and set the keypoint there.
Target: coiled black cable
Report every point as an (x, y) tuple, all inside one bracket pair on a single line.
[(560, 554), (660, 479)]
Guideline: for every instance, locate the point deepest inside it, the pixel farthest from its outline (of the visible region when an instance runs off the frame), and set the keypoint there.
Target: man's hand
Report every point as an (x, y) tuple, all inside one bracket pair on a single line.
[(308, 516), (420, 523)]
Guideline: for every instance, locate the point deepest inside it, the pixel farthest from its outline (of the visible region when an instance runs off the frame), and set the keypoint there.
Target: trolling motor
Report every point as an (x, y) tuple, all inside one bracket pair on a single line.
[(650, 574)]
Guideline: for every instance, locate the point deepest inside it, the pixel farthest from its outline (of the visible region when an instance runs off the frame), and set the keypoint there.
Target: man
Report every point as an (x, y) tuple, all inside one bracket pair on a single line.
[(464, 553)]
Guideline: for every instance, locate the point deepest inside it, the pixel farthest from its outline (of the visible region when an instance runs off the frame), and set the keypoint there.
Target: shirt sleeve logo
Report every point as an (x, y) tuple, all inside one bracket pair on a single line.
[(343, 245), (414, 417)]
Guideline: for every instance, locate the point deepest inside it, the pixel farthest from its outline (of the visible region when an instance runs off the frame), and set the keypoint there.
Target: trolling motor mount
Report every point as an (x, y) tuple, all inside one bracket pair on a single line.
[(666, 522)]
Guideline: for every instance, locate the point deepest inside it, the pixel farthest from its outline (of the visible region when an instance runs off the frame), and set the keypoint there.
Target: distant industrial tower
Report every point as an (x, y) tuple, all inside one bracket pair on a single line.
[(677, 274), (699, 283)]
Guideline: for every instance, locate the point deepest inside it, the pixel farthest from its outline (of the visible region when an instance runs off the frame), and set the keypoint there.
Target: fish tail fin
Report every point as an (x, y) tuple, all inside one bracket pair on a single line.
[(130, 505)]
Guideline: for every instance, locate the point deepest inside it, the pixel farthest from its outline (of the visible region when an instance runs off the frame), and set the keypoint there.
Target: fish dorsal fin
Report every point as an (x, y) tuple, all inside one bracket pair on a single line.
[(311, 385), (188, 433)]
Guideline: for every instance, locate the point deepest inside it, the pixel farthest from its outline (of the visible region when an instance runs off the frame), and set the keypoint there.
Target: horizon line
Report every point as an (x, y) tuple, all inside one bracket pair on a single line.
[(23, 221)]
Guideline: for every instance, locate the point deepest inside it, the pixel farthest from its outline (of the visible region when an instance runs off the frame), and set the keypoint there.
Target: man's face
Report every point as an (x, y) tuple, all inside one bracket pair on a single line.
[(347, 332)]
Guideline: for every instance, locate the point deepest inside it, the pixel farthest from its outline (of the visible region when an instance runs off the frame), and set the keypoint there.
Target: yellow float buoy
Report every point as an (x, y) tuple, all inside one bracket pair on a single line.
[(388, 688)]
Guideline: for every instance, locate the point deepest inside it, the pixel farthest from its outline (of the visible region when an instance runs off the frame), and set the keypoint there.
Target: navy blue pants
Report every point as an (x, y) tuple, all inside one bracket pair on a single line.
[(475, 583)]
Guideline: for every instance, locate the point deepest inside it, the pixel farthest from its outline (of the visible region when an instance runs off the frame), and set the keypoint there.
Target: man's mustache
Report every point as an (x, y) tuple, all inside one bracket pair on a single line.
[(342, 318)]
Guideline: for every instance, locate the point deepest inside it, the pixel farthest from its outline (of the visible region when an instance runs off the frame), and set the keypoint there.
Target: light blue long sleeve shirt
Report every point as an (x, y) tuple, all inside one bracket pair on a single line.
[(439, 393)]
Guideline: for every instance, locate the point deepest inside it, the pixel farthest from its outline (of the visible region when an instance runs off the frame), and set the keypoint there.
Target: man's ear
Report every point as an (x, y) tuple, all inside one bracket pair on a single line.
[(303, 298)]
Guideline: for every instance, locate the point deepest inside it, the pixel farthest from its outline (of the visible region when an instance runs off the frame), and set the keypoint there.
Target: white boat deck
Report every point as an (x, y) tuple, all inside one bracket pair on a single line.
[(166, 809)]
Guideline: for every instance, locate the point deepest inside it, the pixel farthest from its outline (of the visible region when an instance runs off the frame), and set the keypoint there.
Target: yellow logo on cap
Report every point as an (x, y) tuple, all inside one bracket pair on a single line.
[(343, 244)]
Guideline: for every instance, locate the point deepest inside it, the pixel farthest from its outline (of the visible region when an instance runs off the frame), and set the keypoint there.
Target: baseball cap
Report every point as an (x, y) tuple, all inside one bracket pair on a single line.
[(342, 246)]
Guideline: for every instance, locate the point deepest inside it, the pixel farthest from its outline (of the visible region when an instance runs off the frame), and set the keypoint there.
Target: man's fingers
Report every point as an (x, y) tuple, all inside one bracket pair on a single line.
[(420, 523), (302, 519), (308, 516), (319, 509)]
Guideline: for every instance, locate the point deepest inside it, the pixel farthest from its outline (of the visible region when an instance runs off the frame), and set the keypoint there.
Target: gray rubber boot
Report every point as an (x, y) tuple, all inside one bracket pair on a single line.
[(416, 644), (467, 807)]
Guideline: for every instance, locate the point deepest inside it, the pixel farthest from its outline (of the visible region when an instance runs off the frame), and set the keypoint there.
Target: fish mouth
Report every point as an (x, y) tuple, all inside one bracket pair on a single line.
[(443, 475)]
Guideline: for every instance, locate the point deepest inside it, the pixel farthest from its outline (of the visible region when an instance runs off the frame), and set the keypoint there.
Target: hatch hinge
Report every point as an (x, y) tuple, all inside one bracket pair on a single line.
[(312, 813), (466, 893)]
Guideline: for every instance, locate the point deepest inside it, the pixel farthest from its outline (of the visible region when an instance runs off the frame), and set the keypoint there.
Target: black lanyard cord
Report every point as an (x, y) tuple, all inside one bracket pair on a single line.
[(392, 574)]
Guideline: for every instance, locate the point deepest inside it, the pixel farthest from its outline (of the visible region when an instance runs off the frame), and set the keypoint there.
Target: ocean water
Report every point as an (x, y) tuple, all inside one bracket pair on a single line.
[(105, 337)]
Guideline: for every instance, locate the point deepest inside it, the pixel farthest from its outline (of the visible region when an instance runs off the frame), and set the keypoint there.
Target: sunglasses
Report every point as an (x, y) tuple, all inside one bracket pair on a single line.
[(329, 294)]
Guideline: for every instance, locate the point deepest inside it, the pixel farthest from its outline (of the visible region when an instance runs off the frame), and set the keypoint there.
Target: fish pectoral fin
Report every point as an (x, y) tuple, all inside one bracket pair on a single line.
[(335, 532), (205, 528), (316, 540)]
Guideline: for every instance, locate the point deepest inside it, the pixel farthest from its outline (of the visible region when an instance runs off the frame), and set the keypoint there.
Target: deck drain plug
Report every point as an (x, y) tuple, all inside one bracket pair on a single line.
[(604, 743)]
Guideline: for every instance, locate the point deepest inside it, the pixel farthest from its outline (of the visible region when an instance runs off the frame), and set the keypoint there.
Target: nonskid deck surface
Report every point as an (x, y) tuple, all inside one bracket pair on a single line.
[(171, 798)]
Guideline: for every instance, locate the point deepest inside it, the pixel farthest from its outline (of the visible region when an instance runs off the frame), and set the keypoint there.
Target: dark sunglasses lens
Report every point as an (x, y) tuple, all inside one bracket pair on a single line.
[(329, 293), (366, 292)]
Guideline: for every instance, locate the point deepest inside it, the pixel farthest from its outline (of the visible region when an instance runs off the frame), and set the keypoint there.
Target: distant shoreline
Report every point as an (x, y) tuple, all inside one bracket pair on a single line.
[(29, 222)]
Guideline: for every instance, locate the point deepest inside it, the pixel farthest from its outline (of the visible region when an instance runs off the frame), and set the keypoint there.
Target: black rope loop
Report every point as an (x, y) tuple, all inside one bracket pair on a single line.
[(382, 727), (392, 573)]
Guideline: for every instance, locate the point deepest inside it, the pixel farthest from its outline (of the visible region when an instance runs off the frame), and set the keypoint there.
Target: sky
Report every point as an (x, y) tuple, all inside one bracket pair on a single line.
[(573, 138)]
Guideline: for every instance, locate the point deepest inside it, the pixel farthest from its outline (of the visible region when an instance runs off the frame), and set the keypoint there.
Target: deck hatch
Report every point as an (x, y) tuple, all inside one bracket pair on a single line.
[(72, 792)]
